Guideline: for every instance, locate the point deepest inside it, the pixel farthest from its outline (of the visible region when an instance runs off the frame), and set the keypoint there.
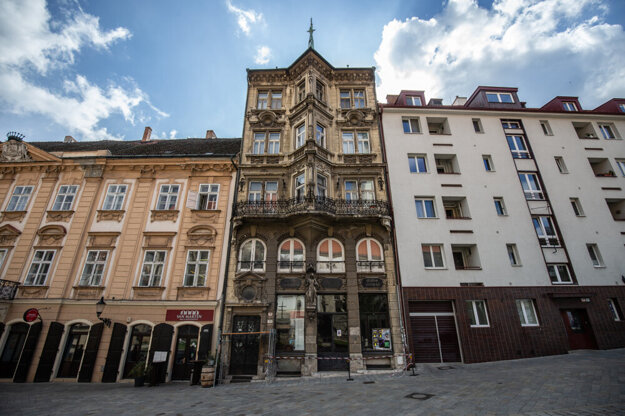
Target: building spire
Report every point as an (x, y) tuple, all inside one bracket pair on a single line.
[(311, 41)]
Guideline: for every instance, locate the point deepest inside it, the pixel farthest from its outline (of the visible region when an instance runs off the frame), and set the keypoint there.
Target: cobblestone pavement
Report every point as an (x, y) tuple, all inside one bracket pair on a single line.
[(582, 383)]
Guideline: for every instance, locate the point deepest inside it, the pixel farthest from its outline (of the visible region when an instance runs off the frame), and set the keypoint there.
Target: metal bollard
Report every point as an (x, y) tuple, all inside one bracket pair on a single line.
[(349, 371)]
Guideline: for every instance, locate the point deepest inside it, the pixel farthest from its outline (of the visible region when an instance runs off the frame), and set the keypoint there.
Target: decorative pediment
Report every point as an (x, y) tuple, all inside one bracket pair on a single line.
[(51, 234), (158, 239), (17, 151), (266, 118), (202, 235), (357, 118), (8, 235), (102, 239), (248, 287)]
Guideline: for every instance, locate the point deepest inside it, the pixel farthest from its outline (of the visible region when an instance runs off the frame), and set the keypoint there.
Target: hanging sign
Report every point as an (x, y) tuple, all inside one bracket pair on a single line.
[(189, 315), (31, 314), (381, 338)]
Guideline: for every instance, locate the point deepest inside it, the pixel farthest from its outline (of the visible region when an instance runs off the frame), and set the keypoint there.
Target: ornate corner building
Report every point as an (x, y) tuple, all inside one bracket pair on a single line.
[(311, 283)]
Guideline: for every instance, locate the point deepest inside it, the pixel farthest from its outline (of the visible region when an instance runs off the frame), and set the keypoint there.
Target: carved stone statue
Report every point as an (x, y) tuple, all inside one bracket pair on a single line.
[(311, 287), (14, 151)]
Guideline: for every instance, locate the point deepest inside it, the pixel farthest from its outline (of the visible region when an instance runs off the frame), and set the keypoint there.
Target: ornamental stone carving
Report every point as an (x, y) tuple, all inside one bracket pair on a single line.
[(248, 287), (110, 215), (60, 216), (8, 235), (51, 235), (164, 215), (202, 235), (14, 151)]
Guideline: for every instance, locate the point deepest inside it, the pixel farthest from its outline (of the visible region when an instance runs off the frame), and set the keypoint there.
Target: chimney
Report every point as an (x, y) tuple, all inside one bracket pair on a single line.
[(210, 134), (146, 134), (69, 139)]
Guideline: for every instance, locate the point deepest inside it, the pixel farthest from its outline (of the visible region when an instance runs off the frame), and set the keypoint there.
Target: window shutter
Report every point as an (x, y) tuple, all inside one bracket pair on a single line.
[(161, 341), (192, 200), (48, 355), (91, 351), (111, 367), (206, 336), (27, 353)]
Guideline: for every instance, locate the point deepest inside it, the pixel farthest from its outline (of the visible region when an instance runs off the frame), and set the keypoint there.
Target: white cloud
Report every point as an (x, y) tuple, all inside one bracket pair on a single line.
[(244, 17), (172, 134), (546, 48), (263, 53), (33, 45)]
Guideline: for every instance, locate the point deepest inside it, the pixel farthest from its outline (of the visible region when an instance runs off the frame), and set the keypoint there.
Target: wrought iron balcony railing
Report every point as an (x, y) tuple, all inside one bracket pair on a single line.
[(254, 266), (330, 267), (8, 289), (307, 204), (290, 266), (370, 266)]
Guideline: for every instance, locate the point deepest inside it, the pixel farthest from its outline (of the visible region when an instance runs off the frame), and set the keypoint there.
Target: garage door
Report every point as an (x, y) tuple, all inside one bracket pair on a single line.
[(433, 332)]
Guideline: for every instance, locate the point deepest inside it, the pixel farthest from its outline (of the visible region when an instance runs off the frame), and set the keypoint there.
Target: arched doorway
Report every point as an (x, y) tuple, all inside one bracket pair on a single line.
[(186, 352), (12, 349), (73, 351), (138, 346)]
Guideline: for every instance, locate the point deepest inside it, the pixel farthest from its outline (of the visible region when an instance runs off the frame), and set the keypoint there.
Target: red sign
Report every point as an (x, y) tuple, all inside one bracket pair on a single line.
[(189, 315), (31, 314)]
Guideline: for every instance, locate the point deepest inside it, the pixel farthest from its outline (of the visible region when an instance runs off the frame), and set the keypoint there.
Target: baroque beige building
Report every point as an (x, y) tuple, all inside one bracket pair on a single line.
[(311, 283), (138, 224)]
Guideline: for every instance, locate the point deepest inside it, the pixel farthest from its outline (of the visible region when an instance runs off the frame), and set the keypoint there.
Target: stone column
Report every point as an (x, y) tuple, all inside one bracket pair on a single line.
[(353, 310)]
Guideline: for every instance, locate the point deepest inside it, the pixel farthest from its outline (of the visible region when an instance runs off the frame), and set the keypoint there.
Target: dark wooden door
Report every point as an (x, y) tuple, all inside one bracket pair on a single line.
[(27, 353), (91, 352), (578, 329), (161, 341), (332, 342), (186, 352), (49, 352), (13, 349), (113, 357), (244, 349), (74, 350)]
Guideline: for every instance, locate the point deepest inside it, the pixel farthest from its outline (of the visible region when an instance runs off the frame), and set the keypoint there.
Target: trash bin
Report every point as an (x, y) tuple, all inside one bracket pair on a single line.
[(196, 371)]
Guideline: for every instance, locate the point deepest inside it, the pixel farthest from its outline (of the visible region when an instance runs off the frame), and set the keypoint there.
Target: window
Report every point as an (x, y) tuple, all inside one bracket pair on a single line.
[(322, 186), (255, 192), (500, 206), (476, 310), (559, 274), (363, 142), (608, 131), (351, 190), (19, 199), (499, 97), (546, 231), (73, 351), (488, 163), (320, 91), (518, 147), (595, 256), (273, 143), (252, 256), (291, 256), (621, 107), (348, 143), (531, 186), (417, 164), (621, 165), (425, 208), (320, 136), (94, 268), (152, 269), (367, 192), (276, 100), (168, 197), (560, 164), (197, 267), (433, 256), (65, 198), (114, 199), (259, 144), (413, 100), (346, 100), (300, 135), (544, 124), (569, 106), (411, 125), (355, 97), (3, 255), (330, 257), (527, 312), (369, 256), (359, 98), (477, 125), (506, 124), (290, 323), (613, 305), (301, 91), (577, 207), (263, 98), (300, 186), (271, 191), (207, 197), (39, 267), (513, 255), (374, 315)]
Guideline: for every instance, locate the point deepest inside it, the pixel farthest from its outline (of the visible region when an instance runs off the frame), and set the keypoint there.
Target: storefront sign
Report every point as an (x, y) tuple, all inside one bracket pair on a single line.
[(381, 338), (189, 315), (290, 283), (331, 283), (372, 282), (31, 314)]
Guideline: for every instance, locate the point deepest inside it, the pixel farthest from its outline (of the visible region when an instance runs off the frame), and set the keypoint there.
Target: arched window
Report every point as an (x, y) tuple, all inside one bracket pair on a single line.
[(330, 257), (73, 352), (291, 256), (138, 347), (369, 256), (252, 256)]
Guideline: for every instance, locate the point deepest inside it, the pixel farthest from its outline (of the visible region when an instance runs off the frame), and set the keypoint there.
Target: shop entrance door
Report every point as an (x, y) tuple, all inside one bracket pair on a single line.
[(13, 349), (186, 351), (332, 336), (578, 329), (244, 349), (74, 349)]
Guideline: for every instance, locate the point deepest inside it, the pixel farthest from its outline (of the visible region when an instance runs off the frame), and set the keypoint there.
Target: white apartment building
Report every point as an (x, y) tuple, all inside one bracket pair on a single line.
[(509, 223)]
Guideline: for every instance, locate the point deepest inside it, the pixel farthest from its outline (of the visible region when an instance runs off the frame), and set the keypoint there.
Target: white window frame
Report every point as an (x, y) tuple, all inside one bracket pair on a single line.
[(511, 124), (351, 194), (349, 145), (380, 267), (291, 256), (559, 280), (93, 269), (416, 159), (476, 317), (367, 190), (299, 187), (271, 195), (258, 146), (560, 164), (300, 135), (411, 125), (262, 100), (192, 268), (595, 255), (527, 312), (545, 240), (421, 202), (356, 99), (502, 205), (414, 101), (115, 196), (255, 191), (273, 143), (487, 161), (620, 163), (20, 198), (608, 131), (154, 277), (544, 124), (330, 264), (170, 196), (531, 194), (39, 268), (515, 142), (320, 135), (577, 207), (208, 190), (430, 253), (513, 255), (569, 106), (499, 96), (275, 99), (252, 261), (65, 198), (364, 144)]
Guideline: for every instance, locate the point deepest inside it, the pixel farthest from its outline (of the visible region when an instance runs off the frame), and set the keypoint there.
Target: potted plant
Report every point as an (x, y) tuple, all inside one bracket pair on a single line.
[(210, 360), (138, 373)]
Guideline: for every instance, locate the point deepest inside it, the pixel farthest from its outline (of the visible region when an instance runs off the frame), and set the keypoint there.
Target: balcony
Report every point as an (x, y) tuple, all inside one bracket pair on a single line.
[(293, 206), (254, 266), (330, 267), (291, 266), (8, 289), (370, 266)]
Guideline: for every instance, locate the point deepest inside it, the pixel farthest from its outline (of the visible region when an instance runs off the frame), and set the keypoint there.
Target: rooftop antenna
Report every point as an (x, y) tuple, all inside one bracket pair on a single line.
[(311, 41)]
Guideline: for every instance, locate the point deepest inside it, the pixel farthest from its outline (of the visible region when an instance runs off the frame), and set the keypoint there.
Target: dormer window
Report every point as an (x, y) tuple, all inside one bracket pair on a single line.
[(413, 100), (569, 106), (499, 97), (621, 108)]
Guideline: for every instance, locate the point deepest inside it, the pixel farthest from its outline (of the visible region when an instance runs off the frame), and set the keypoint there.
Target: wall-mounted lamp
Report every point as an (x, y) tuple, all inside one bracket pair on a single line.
[(99, 308)]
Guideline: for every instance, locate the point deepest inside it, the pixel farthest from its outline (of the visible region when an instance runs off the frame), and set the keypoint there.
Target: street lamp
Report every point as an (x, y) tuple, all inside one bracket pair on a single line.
[(99, 308)]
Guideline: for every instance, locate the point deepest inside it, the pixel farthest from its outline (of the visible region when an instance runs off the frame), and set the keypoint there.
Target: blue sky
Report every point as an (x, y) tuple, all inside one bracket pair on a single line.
[(105, 69)]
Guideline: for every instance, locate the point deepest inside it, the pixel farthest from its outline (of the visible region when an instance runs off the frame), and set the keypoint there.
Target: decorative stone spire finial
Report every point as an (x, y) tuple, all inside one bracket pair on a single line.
[(311, 41)]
